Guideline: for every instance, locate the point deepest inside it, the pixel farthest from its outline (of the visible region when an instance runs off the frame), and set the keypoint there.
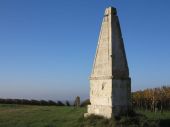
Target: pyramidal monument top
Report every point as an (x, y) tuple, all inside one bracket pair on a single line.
[(110, 10), (110, 84), (110, 59)]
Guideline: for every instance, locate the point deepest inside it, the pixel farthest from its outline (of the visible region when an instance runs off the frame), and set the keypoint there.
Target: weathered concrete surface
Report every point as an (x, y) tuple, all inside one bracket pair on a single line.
[(110, 85)]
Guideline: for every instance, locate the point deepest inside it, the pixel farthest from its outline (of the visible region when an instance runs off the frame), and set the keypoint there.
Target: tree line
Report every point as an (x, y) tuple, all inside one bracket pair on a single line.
[(77, 102), (155, 99), (31, 102)]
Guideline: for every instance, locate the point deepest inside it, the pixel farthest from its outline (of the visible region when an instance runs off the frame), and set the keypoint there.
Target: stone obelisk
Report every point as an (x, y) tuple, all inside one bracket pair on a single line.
[(110, 85)]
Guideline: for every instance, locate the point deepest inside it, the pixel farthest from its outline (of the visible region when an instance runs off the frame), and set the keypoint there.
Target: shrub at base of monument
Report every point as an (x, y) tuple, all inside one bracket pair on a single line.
[(131, 120)]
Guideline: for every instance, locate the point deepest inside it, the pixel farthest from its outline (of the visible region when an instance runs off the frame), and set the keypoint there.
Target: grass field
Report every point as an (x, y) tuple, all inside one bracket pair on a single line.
[(52, 116), (39, 116)]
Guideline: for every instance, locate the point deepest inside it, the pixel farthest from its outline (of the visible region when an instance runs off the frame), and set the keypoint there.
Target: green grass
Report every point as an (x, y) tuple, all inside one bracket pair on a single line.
[(39, 116), (163, 118), (55, 116), (155, 116)]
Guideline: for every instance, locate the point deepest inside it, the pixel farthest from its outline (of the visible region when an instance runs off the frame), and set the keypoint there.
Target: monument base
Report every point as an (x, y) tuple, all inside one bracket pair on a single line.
[(100, 110), (107, 111)]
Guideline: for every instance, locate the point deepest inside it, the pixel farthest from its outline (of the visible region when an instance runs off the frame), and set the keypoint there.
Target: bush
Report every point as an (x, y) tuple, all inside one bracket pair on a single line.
[(85, 103)]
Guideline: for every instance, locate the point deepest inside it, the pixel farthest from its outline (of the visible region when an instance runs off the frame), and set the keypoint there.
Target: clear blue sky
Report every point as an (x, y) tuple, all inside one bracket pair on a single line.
[(47, 47)]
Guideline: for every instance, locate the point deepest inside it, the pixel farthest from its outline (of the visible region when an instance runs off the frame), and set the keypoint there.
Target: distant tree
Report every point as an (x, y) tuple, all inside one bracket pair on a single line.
[(2, 101), (59, 103), (43, 102), (50, 102), (35, 102), (67, 103), (77, 102), (26, 102), (9, 101)]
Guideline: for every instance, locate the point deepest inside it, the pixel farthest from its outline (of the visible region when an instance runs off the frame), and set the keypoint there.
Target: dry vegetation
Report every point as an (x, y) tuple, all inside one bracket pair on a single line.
[(156, 99)]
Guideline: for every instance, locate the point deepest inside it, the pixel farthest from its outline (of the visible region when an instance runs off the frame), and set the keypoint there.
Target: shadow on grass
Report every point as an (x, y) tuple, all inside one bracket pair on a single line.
[(132, 120), (164, 123), (96, 121)]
